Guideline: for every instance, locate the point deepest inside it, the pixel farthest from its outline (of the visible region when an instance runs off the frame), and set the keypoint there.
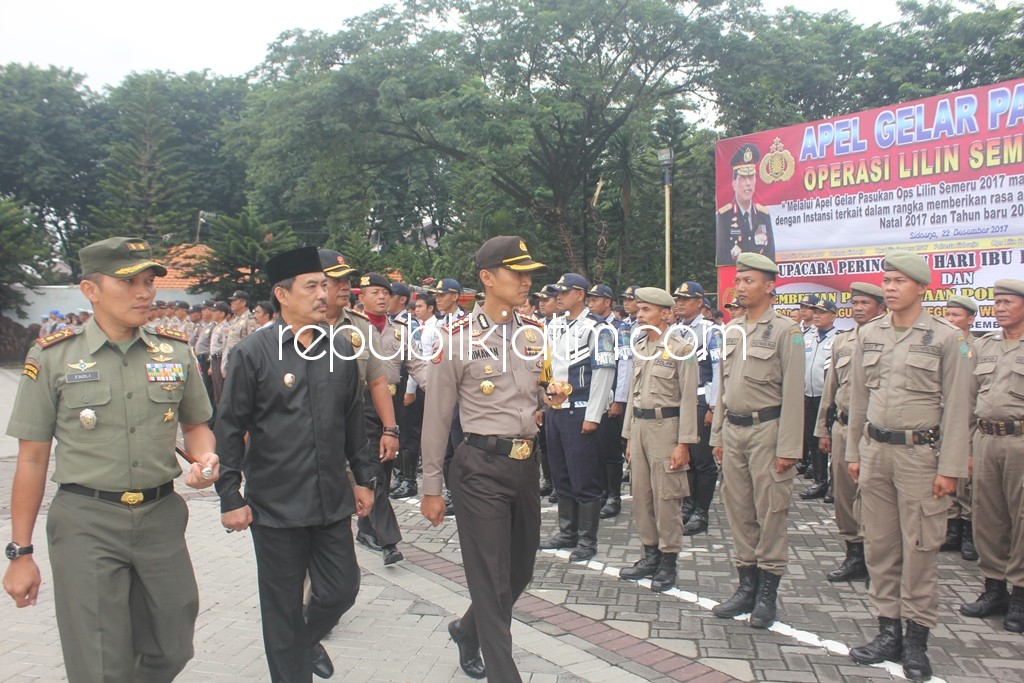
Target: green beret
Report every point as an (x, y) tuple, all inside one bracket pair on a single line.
[(867, 289), (962, 302), (910, 264), (1010, 287), (751, 261), (655, 296)]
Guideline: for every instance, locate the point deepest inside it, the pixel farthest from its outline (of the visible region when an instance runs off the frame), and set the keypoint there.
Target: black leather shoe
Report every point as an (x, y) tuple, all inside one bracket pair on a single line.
[(815, 491), (698, 524), (369, 541), (321, 662), (994, 600), (612, 508), (392, 554), (887, 645), (449, 506), (546, 489), (469, 653), (407, 489)]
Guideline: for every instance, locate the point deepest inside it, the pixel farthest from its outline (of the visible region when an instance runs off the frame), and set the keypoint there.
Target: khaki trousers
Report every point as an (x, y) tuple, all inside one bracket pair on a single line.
[(123, 587), (999, 507), (961, 507), (844, 489), (657, 490), (757, 498), (903, 529)]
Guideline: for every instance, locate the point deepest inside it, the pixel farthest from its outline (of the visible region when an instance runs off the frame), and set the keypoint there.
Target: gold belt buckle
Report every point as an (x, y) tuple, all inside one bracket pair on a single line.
[(132, 497), (521, 449)]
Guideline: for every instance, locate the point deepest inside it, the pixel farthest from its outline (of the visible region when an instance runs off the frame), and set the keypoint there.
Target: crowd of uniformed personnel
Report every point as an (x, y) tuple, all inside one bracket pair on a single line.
[(908, 422)]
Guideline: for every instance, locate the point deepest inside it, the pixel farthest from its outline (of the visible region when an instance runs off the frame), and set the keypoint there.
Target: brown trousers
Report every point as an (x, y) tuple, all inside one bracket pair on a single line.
[(999, 507), (657, 490)]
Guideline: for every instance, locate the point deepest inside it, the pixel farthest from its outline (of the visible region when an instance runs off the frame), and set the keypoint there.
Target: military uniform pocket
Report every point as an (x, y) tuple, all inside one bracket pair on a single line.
[(88, 404), (1017, 380), (780, 496), (932, 527), (872, 370), (923, 373), (675, 484), (163, 411), (983, 373), (759, 367)]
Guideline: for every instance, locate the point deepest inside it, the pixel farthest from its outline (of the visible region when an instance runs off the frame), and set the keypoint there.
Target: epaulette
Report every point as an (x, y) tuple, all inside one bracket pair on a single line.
[(456, 324), (725, 209), (530, 320), (358, 314), (949, 324), (994, 334), (56, 337), (171, 334), (761, 207)]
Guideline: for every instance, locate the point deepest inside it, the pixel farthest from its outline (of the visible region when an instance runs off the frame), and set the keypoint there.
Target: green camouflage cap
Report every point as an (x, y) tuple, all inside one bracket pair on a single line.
[(120, 257), (1008, 286), (910, 264), (655, 296), (751, 261), (963, 302), (867, 289)]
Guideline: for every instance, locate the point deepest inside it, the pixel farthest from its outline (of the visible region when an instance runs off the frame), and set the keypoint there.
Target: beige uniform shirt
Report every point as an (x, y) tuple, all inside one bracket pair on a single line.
[(918, 379), (363, 336), (998, 379), (238, 328), (769, 373), (491, 370), (661, 381), (837, 381), (114, 413)]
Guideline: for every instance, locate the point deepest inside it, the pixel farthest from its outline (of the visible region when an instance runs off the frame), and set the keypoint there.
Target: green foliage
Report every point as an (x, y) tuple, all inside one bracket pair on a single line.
[(23, 255), (237, 253)]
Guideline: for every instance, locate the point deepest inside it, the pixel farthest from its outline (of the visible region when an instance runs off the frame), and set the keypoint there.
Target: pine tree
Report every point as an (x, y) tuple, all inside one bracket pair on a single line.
[(22, 254)]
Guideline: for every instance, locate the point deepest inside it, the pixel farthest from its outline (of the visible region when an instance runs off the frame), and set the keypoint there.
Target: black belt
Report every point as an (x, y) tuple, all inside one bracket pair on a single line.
[(1001, 427), (756, 417), (655, 413), (129, 498), (901, 437), (517, 449), (216, 356), (843, 418)]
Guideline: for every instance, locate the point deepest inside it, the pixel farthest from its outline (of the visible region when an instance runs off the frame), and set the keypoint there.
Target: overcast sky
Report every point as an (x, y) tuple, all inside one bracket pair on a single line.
[(107, 39)]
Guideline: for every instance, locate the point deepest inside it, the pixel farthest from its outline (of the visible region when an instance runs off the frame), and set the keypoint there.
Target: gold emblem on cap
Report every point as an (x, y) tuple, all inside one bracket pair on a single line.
[(81, 365), (522, 245), (88, 418), (778, 164), (748, 155), (166, 348), (364, 281), (530, 336), (488, 370), (168, 415), (487, 387), (289, 380), (357, 340)]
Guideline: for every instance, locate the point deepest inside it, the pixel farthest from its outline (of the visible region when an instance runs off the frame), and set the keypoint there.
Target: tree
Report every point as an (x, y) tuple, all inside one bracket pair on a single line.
[(236, 254), (145, 179), (23, 255)]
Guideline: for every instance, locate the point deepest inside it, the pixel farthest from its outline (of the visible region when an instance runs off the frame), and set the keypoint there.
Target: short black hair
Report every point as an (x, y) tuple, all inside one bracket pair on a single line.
[(267, 307), (284, 284)]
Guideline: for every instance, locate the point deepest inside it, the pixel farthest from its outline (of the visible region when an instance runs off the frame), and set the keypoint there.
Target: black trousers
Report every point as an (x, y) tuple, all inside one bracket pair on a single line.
[(283, 557), (454, 440), (610, 435), (497, 509), (410, 422), (703, 472), (577, 468), (381, 522), (817, 459)]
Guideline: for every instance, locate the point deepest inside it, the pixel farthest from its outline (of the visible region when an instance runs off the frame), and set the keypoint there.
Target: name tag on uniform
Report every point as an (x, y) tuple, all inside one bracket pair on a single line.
[(165, 372), (73, 377)]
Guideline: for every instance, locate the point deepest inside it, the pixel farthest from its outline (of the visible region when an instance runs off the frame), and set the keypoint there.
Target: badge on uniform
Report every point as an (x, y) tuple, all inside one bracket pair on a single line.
[(31, 369), (487, 387), (357, 340), (530, 336), (488, 370), (81, 365), (166, 348), (289, 380), (165, 372), (398, 334), (168, 415), (88, 418)]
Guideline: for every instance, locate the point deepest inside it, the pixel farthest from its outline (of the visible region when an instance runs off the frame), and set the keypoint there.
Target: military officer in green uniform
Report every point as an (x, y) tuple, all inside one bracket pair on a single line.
[(113, 396), (910, 408), (757, 436), (660, 425)]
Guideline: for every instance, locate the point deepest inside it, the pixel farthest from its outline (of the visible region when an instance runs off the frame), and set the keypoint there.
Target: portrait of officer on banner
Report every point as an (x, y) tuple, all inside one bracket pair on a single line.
[(741, 225)]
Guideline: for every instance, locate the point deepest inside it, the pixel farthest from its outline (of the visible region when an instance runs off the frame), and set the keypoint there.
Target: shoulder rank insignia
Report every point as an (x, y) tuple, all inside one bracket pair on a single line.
[(56, 337), (761, 208), (457, 324), (171, 334), (31, 369), (725, 209), (357, 314), (530, 320)]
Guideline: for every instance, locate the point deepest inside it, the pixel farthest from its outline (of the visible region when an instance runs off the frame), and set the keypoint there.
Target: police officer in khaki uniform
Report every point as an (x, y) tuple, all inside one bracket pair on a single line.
[(113, 395), (999, 460), (910, 409), (960, 311), (866, 303), (490, 363), (238, 328), (756, 435), (660, 426)]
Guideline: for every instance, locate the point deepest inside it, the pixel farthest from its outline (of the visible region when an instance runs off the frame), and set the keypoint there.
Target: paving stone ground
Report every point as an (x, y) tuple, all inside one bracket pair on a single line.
[(576, 622)]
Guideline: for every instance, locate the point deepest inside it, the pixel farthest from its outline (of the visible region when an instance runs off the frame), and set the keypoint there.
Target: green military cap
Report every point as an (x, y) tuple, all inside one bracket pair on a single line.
[(910, 264), (867, 289), (1008, 286), (121, 257), (963, 302), (654, 295), (751, 261)]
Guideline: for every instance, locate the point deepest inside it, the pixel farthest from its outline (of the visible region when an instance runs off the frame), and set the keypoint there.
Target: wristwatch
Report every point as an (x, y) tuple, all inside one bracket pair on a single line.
[(393, 431), (14, 551)]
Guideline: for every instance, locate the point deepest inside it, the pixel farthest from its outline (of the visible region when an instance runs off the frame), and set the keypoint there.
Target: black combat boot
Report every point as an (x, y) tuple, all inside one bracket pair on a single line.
[(1014, 620), (967, 549), (743, 599), (916, 666), (613, 505), (568, 526), (763, 614), (687, 508), (993, 600), (954, 535), (665, 578), (545, 487), (645, 567), (590, 519), (887, 645), (698, 523), (853, 567)]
